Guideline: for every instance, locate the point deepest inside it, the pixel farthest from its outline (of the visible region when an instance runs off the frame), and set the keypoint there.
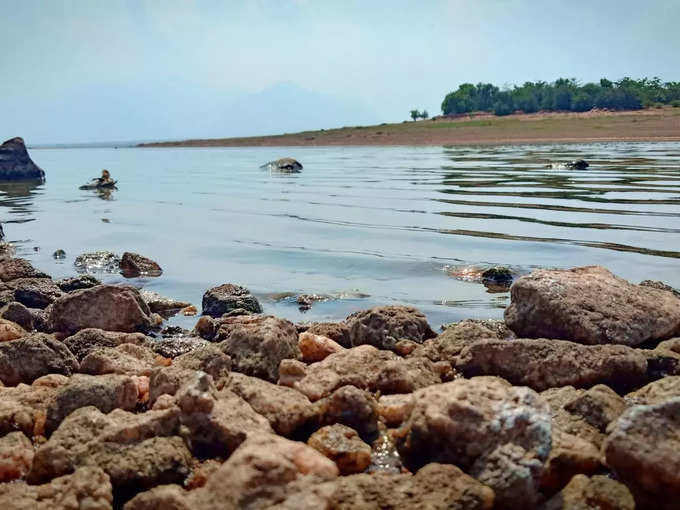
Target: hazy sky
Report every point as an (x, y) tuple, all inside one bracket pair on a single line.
[(94, 70)]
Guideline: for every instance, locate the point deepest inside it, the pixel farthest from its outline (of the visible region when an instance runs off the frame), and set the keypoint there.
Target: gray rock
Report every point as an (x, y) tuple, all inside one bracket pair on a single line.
[(225, 298), (16, 164), (86, 340), (174, 346), (35, 292), (166, 307), (83, 281), (25, 359), (285, 165), (18, 313), (384, 326)]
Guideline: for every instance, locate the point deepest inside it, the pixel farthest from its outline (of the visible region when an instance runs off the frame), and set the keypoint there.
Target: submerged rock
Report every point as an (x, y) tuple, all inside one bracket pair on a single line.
[(286, 165), (133, 265), (225, 298), (97, 262), (16, 164), (164, 306)]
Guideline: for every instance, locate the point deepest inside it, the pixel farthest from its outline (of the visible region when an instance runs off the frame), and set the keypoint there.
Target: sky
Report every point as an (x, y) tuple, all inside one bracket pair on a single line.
[(119, 70)]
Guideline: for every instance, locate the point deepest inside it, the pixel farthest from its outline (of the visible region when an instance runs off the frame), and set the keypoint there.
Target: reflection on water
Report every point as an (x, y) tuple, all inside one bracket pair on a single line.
[(389, 222)]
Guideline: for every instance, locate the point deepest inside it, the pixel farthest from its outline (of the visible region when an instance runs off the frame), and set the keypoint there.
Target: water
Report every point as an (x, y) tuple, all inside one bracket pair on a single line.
[(387, 222)]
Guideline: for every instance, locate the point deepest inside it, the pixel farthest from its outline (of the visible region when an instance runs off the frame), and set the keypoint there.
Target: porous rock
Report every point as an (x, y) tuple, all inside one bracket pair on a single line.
[(596, 493), (10, 330), (336, 331), (16, 456), (25, 359), (384, 326), (133, 265), (83, 281), (343, 446), (86, 340), (225, 298), (14, 268), (353, 407), (316, 347), (35, 292), (126, 359)]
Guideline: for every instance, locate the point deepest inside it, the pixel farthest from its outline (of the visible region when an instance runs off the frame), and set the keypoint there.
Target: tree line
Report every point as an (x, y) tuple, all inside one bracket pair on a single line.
[(564, 94)]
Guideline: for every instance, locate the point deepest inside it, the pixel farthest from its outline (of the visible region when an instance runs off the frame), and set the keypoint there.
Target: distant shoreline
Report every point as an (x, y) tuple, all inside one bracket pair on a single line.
[(654, 124)]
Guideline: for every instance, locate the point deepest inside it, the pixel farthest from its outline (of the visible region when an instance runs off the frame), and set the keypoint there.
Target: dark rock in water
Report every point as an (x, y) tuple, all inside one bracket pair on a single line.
[(225, 298), (499, 275), (97, 262), (59, 254), (579, 164), (659, 285), (2, 233), (287, 165), (305, 301), (16, 164), (133, 265), (84, 281)]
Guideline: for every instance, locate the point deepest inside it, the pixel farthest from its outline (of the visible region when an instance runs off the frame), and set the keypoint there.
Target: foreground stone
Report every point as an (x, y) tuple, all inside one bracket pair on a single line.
[(126, 359), (343, 446), (542, 364), (225, 298), (133, 265), (596, 493), (108, 307), (13, 268), (10, 331), (384, 326), (35, 292), (353, 407), (16, 164), (656, 392), (25, 359), (500, 434), (336, 331), (16, 456), (592, 306), (316, 347)]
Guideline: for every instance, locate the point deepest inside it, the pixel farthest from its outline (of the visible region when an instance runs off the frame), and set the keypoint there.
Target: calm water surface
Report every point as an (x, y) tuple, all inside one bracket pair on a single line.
[(389, 222)]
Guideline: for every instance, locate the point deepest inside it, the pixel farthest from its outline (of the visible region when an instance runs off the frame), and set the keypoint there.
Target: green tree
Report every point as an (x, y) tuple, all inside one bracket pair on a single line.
[(424, 115), (415, 114)]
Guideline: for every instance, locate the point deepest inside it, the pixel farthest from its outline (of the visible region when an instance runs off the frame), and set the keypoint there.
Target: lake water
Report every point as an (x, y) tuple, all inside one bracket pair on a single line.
[(389, 223)]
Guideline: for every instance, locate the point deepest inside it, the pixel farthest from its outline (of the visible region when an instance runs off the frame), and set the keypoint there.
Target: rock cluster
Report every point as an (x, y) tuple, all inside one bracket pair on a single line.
[(558, 408)]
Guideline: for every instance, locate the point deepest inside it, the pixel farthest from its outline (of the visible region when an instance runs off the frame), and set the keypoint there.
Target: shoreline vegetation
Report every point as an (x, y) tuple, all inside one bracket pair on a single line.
[(659, 123)]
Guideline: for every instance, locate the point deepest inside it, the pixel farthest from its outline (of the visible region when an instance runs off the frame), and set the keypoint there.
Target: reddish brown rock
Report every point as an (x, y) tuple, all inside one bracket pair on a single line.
[(656, 392), (10, 331), (126, 359), (207, 358), (336, 331), (395, 409), (16, 456), (384, 326), (32, 356), (596, 493), (86, 340), (353, 407), (570, 455), (133, 265), (569, 423), (343, 446), (316, 347), (12, 268)]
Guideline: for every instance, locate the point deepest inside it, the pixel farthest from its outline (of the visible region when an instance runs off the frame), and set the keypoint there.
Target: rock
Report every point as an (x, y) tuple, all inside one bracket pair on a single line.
[(395, 409), (498, 276), (35, 292), (25, 359), (598, 406), (16, 164), (288, 411), (177, 345), (673, 345), (137, 451), (660, 363), (16, 456), (19, 314), (126, 359), (590, 305), (569, 456), (285, 165), (87, 488), (498, 433), (206, 328), (353, 407), (162, 305), (336, 331), (316, 347), (163, 497), (542, 364), (167, 381), (257, 344), (225, 298), (97, 262), (12, 269), (343, 446), (566, 422), (660, 285), (10, 330), (83, 281), (133, 265), (108, 307), (86, 340), (384, 326), (579, 164), (59, 254), (596, 493), (364, 367), (105, 392), (656, 392), (207, 358)]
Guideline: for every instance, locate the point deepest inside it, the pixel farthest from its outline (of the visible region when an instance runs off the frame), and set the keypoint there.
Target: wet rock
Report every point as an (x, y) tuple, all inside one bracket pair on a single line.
[(86, 340), (177, 345), (661, 286), (257, 344), (16, 456), (343, 446), (35, 292), (285, 165), (59, 254), (206, 328), (137, 451), (133, 265), (25, 359), (107, 307), (126, 359), (570, 455), (88, 488), (364, 367), (19, 314), (316, 347), (336, 331), (395, 409), (83, 281), (596, 493), (353, 407), (590, 305), (14, 268), (10, 330), (16, 164), (500, 434), (656, 392), (543, 364), (105, 392), (162, 305), (384, 326), (97, 262), (225, 298), (497, 276), (288, 411)]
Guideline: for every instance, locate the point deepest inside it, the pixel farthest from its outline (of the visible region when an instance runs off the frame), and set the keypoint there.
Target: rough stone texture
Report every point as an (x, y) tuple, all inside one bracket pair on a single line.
[(395, 409), (174, 346), (500, 434), (88, 488), (287, 410), (384, 326), (643, 449), (86, 340), (543, 364), (133, 265), (569, 456), (672, 344), (105, 392), (225, 298), (567, 422), (126, 359), (12, 268), (10, 331), (163, 497), (167, 381), (166, 307), (655, 392), (257, 344), (207, 358), (25, 359), (83, 281), (316, 347), (655, 284), (16, 456), (35, 292), (343, 446), (364, 367), (590, 305), (108, 307), (137, 451), (660, 363), (16, 164), (596, 493), (353, 407), (598, 406), (19, 314), (336, 331)]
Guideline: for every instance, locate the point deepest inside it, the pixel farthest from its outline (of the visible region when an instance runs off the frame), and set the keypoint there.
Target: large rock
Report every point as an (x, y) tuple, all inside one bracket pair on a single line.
[(353, 407), (11, 269), (498, 433), (16, 164), (592, 306), (108, 307), (35, 292), (86, 340), (384, 326), (596, 493), (225, 298), (126, 359), (133, 265), (16, 456), (25, 359), (656, 392), (543, 364)]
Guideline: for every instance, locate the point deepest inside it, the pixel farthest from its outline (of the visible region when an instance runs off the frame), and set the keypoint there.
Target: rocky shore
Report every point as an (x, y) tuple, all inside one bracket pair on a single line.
[(573, 402)]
